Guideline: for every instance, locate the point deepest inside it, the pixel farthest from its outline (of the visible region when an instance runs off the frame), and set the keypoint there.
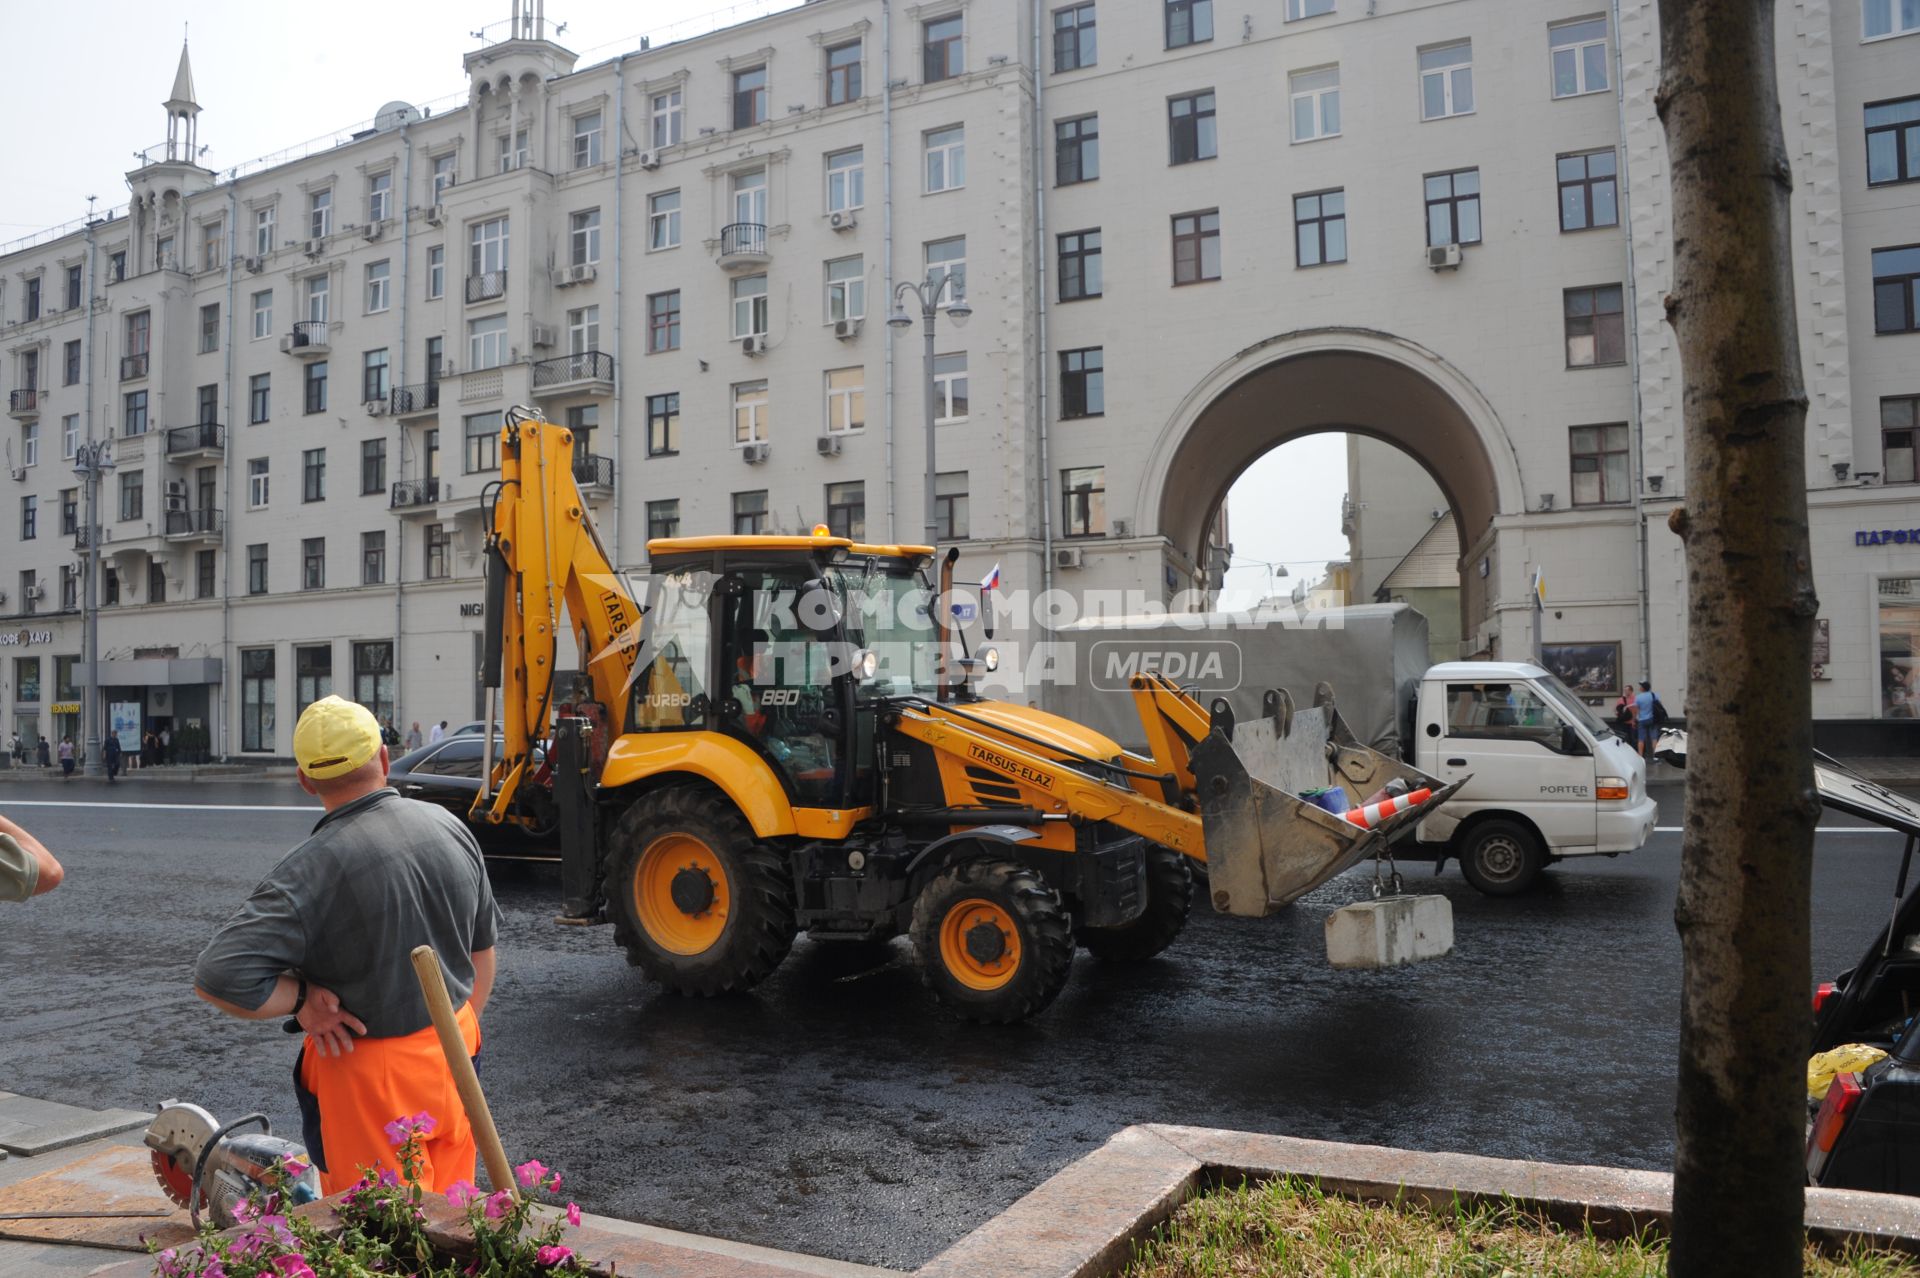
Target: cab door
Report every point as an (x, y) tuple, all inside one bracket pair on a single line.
[(1523, 757), (782, 697)]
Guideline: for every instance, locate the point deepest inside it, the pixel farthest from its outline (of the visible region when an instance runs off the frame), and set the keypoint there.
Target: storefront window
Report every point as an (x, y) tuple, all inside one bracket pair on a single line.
[(256, 699), (373, 678), (26, 679), (1899, 646)]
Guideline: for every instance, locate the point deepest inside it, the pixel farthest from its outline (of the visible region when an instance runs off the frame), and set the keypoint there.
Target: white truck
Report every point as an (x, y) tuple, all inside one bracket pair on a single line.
[(1550, 779)]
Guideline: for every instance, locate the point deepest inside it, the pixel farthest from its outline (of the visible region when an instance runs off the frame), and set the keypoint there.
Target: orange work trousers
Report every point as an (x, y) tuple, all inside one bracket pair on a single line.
[(347, 1101)]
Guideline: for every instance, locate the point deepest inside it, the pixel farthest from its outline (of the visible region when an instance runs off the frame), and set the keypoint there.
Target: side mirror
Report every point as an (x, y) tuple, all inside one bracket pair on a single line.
[(819, 609), (1571, 741)]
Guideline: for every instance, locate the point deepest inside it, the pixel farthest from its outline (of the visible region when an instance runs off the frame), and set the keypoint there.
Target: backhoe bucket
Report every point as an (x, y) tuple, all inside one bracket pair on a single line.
[(1266, 846)]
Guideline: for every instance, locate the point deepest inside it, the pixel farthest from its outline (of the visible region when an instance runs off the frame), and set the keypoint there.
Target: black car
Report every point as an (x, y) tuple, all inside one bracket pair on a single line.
[(447, 773)]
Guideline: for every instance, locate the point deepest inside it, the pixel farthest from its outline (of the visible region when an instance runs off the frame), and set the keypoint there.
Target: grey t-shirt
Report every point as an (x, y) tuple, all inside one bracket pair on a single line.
[(346, 908)]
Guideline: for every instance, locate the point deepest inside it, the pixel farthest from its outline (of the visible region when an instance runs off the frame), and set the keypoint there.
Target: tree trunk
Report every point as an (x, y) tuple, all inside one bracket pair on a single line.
[(1746, 858)]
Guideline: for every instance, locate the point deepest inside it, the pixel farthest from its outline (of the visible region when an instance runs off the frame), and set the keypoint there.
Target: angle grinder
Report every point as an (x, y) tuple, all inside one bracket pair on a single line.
[(203, 1164)]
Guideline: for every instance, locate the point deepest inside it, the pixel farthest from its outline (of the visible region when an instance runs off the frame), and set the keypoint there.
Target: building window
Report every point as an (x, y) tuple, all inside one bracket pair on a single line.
[(846, 289), (843, 74), (263, 314), (1896, 289), (70, 363), (374, 383), (1589, 196), (69, 511), (320, 214), (258, 483), (134, 414), (379, 197), (1196, 247), (846, 180), (1083, 385), (667, 119), (1189, 22), (663, 518), (313, 474), (1579, 53), (319, 298), (947, 268), (438, 543), (209, 405), (139, 337), (1446, 81), (313, 563), (263, 231), (256, 691), (583, 333), (750, 306), (1074, 38), (116, 266), (1080, 275), (30, 444), (312, 675), (846, 400), (1599, 464), (257, 569), (156, 582), (512, 151), (1889, 18), (582, 421), (259, 398), (586, 140), (69, 435), (663, 220), (373, 678), (1076, 150), (1316, 104), (203, 574), (663, 424), (1899, 601), (436, 272), (74, 285), (950, 389), (316, 387), (487, 245), (749, 97), (481, 445), (1083, 501), (210, 328), (847, 510), (750, 513), (1298, 9), (663, 322), (750, 413), (379, 287), (1453, 207), (1190, 128), (583, 238), (1596, 329), (946, 159), (26, 670), (944, 58), (1893, 142), (109, 585), (950, 505), (1899, 418), (373, 466), (443, 174), (487, 342), (29, 517), (31, 307)]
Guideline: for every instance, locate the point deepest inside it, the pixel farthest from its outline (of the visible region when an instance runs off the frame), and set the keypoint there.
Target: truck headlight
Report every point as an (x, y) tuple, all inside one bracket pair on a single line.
[(1610, 787)]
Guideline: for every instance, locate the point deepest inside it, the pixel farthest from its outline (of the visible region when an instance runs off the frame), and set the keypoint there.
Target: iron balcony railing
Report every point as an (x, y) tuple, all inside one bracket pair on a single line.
[(82, 538), (591, 470), (587, 366), (202, 437), (423, 398), (132, 366), (486, 286), (310, 333), (741, 238), (183, 523), (414, 492), (24, 400)]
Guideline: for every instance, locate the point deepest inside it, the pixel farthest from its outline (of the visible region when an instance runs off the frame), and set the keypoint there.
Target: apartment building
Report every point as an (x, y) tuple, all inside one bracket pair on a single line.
[(1442, 226)]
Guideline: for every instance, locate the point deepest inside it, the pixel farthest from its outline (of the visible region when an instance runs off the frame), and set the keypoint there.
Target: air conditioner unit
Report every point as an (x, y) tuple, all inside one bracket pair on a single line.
[(1068, 557), (316, 247), (649, 159), (436, 215), (256, 264), (844, 220), (374, 230), (545, 335), (846, 329), (376, 408), (34, 592), (828, 445), (563, 276), (756, 453), (755, 345), (287, 344), (1444, 257)]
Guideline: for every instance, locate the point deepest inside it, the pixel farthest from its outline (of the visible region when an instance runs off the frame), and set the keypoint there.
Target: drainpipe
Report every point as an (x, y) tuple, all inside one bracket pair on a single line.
[(886, 244), (90, 707), (1637, 478), (400, 434), (1040, 306), (217, 738), (619, 239)]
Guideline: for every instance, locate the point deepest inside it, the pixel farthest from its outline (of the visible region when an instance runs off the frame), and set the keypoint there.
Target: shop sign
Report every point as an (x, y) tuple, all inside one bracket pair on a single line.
[(480, 610), (66, 707), (1887, 537), (21, 638)]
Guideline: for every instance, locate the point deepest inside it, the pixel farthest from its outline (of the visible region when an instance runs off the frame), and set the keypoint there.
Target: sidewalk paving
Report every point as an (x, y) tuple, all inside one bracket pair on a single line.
[(175, 773)]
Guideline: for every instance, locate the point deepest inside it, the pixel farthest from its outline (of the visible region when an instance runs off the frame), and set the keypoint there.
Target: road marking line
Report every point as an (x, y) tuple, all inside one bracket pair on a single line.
[(1820, 829), (162, 807)]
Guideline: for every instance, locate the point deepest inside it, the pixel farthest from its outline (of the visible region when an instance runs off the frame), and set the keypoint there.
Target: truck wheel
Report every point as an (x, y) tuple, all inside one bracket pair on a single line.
[(1169, 898), (1501, 858), (696, 903), (992, 941)]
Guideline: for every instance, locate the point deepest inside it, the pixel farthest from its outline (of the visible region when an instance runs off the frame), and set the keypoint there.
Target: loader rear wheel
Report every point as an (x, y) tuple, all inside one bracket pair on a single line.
[(697, 904), (1169, 899), (992, 941), (1501, 858)]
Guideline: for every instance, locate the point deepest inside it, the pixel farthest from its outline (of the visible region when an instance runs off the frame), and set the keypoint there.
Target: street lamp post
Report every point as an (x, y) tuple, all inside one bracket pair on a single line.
[(928, 293), (89, 460)]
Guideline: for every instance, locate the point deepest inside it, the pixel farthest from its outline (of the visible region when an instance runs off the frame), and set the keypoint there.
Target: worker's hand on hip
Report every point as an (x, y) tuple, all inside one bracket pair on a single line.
[(331, 1026)]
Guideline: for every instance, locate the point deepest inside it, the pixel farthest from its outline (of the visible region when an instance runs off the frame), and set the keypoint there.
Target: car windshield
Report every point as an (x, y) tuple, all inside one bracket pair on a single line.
[(888, 610), (1571, 706)]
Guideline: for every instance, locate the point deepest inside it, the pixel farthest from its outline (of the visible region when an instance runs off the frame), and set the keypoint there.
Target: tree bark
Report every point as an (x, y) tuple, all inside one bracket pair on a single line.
[(1746, 857)]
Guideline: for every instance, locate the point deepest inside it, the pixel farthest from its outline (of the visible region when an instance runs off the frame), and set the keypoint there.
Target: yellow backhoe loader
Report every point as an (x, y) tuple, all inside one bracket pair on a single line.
[(771, 734)]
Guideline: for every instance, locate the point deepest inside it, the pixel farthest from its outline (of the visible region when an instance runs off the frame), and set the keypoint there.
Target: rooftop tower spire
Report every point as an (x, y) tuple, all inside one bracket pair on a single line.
[(183, 113)]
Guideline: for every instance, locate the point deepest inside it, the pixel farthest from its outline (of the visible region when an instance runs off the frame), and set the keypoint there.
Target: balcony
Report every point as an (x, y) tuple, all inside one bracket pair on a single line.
[(594, 474), (486, 286), (588, 373), (193, 525), (308, 340), (205, 440), (24, 403), (429, 499), (415, 401), (743, 244), (132, 366)]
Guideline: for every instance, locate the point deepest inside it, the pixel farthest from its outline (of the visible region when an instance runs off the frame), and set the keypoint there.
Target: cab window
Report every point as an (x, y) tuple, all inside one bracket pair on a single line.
[(1502, 712), (679, 641)]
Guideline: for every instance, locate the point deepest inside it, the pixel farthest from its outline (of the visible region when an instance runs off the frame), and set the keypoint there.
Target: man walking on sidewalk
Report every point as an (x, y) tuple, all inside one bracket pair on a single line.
[(110, 755), (327, 938)]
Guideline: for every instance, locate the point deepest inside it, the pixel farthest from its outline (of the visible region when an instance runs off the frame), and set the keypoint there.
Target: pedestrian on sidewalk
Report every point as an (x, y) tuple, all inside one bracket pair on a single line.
[(1648, 714), (13, 747), (44, 752), (389, 735), (166, 744), (413, 736), (66, 758), (110, 755), (26, 867), (437, 733), (327, 938)]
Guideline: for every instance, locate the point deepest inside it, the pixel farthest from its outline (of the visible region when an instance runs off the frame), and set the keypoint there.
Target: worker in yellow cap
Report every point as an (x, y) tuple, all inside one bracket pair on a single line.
[(326, 938)]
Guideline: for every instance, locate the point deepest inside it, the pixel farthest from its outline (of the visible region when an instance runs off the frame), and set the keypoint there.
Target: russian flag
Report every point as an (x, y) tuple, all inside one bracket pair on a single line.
[(992, 580)]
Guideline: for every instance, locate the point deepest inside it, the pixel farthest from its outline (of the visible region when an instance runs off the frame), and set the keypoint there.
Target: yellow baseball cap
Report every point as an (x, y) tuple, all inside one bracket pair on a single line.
[(334, 737)]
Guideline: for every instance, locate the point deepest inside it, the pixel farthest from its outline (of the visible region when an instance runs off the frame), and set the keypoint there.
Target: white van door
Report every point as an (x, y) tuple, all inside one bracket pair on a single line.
[(1524, 757)]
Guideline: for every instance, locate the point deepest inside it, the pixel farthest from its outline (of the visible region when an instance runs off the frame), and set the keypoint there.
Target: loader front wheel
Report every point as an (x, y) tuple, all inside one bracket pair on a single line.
[(1501, 858), (1169, 899), (992, 941), (697, 904)]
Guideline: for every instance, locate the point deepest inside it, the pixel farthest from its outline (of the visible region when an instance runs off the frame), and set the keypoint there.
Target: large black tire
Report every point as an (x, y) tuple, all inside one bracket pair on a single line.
[(1501, 858), (720, 927), (1169, 900), (992, 941)]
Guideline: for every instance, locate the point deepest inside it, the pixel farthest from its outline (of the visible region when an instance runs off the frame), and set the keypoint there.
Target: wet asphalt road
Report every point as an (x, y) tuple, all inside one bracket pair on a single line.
[(833, 1111)]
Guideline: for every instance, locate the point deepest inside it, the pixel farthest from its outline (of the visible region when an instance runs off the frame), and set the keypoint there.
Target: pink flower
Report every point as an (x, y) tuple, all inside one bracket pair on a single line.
[(529, 1173), (244, 1212), (462, 1193), (295, 1168), (214, 1269), (573, 1213), (388, 1177), (277, 1227), (424, 1124), (398, 1131), (553, 1186), (292, 1265), (499, 1203), (555, 1255)]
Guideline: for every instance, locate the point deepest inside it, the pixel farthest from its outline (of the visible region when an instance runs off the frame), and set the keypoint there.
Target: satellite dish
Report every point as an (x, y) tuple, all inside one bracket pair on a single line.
[(393, 115)]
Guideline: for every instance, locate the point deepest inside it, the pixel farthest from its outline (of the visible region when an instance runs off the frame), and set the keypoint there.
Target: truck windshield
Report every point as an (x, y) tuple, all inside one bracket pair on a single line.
[(888, 611), (1571, 706)]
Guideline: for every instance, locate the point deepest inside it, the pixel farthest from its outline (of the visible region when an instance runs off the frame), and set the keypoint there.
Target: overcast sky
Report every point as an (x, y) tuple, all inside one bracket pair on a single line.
[(85, 81)]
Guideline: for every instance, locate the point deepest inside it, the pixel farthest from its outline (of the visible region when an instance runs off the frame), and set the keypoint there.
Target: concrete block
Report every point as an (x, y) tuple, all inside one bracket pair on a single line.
[(1390, 932)]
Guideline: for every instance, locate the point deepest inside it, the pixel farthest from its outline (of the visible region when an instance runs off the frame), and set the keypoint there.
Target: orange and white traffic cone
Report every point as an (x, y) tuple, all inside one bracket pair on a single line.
[(1371, 815)]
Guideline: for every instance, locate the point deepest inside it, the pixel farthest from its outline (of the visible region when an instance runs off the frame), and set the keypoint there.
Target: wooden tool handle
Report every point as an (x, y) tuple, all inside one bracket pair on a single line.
[(426, 966)]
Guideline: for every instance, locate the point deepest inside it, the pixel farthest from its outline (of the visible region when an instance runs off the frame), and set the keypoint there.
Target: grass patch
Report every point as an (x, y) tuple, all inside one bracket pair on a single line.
[(1288, 1228)]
